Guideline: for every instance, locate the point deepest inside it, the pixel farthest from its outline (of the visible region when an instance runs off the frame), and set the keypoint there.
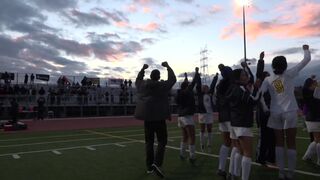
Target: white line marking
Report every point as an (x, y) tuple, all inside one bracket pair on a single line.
[(214, 155), (15, 156), (56, 152), (120, 145), (44, 137), (64, 149), (90, 148)]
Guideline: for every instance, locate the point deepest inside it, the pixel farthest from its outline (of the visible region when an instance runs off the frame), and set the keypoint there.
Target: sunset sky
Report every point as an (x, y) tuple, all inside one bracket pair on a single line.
[(114, 38)]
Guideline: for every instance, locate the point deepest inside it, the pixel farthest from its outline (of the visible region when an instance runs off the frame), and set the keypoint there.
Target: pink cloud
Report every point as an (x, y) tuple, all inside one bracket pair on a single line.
[(122, 24), (131, 8), (146, 10), (306, 23), (215, 9), (150, 27)]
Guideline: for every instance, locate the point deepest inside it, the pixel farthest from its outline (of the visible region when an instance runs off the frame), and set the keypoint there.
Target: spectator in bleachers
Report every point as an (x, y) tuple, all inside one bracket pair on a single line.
[(41, 91), (130, 83), (125, 83), (26, 77), (84, 81), (106, 95), (32, 79), (41, 108), (14, 111)]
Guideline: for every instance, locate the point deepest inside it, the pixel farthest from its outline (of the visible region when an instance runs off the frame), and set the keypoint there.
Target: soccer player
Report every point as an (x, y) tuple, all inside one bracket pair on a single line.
[(186, 108), (205, 116), (283, 109), (241, 112), (224, 120), (311, 96)]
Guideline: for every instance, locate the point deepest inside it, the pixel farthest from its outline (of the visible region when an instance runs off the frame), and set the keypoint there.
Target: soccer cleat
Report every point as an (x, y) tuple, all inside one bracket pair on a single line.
[(209, 149), (182, 158), (202, 148), (305, 158), (158, 171), (192, 161), (221, 173), (150, 171)]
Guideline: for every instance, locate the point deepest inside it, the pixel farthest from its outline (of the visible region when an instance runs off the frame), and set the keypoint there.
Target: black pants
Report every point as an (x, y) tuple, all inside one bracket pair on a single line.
[(150, 129), (266, 150)]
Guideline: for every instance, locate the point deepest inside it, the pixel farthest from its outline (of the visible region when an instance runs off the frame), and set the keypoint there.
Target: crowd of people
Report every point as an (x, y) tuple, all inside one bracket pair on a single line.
[(237, 96)]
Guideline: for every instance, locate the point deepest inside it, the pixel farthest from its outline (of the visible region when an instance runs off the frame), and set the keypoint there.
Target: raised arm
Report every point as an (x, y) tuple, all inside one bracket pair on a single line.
[(171, 76), (247, 69), (213, 84), (306, 59), (260, 66), (140, 76)]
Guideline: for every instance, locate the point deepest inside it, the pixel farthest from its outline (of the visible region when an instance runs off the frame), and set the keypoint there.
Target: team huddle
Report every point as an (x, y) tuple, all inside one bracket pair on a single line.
[(237, 95)]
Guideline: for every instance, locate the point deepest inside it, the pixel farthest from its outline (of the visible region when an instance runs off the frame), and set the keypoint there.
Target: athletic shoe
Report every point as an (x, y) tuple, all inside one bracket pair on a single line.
[(306, 158), (202, 148), (209, 149), (192, 161), (221, 173), (158, 171), (182, 158), (150, 171), (231, 177)]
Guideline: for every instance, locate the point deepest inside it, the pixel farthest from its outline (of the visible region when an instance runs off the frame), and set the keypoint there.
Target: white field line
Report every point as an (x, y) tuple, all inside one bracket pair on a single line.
[(119, 145), (56, 152), (15, 156), (100, 133), (91, 148), (72, 135), (210, 155), (64, 149)]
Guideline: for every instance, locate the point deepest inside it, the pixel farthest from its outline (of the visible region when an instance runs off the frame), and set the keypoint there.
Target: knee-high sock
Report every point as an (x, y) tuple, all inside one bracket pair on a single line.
[(192, 150), (232, 159), (310, 151), (183, 147), (202, 138), (318, 153), (292, 161), (209, 139), (280, 160), (237, 164), (223, 155), (246, 167)]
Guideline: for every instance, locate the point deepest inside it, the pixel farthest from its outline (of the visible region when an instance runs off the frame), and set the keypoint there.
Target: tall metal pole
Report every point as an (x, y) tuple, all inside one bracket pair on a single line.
[(244, 33)]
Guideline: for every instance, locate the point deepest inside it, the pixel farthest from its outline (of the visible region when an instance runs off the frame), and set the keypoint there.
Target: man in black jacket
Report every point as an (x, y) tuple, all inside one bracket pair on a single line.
[(153, 108)]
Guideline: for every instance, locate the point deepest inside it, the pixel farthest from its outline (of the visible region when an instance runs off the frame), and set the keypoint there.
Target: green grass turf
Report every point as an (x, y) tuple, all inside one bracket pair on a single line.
[(109, 161)]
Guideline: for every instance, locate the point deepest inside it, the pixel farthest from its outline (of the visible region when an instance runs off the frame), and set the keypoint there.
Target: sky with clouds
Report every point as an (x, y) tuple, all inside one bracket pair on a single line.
[(114, 38)]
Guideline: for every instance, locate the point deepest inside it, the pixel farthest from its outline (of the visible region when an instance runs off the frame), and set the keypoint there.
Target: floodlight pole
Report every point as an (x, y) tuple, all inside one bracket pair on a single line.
[(244, 32)]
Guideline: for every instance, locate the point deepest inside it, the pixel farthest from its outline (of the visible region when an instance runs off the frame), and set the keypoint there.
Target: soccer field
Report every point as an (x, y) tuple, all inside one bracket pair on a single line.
[(116, 153)]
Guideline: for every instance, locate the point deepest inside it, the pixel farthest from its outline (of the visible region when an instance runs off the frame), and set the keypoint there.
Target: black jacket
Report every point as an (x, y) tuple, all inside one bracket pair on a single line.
[(152, 97), (222, 102), (313, 106), (241, 106)]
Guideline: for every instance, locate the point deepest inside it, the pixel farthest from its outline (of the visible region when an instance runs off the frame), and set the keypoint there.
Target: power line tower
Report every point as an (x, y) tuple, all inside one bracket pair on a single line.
[(204, 65)]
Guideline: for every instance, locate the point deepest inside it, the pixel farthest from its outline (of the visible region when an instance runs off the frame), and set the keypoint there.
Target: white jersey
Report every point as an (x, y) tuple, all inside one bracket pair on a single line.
[(281, 87), (207, 103)]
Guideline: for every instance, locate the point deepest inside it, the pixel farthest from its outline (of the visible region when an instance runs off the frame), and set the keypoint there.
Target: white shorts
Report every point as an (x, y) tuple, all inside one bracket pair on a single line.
[(313, 126), (284, 120), (225, 126), (205, 118), (185, 120), (237, 132)]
